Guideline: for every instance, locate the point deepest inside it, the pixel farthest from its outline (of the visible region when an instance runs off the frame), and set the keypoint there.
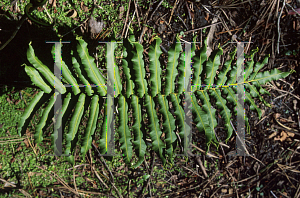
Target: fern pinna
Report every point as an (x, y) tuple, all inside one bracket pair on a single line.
[(155, 100)]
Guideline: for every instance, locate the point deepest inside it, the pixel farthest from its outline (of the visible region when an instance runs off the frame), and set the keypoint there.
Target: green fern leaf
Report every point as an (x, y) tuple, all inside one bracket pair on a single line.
[(112, 68), (74, 123), (58, 122), (124, 132), (225, 112), (168, 124), (185, 73), (171, 73), (201, 121), (76, 66), (106, 127), (90, 67), (181, 74), (211, 67), (154, 67), (91, 125), (44, 70), (258, 67), (174, 117), (139, 70), (198, 66), (28, 111), (37, 79), (208, 108), (250, 100), (261, 90), (155, 133), (255, 93), (188, 70), (249, 64), (267, 76), (65, 70), (126, 70), (222, 78), (139, 143), (183, 127), (38, 136)]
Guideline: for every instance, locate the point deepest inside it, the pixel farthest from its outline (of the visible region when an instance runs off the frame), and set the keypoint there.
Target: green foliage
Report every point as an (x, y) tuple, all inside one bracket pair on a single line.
[(147, 107)]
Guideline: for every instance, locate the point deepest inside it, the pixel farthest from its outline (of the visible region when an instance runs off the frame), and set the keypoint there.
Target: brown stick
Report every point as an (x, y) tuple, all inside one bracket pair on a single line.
[(201, 166), (172, 11), (137, 14), (186, 32), (126, 18), (15, 32), (156, 9)]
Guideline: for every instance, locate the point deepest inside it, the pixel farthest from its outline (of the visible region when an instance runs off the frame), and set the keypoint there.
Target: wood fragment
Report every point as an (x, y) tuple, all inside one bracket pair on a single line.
[(137, 14), (173, 11), (211, 34), (126, 18), (201, 166)]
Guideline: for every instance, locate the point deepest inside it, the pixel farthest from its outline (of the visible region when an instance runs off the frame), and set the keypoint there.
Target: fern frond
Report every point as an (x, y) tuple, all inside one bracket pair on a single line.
[(225, 112), (222, 77), (76, 66), (112, 68), (207, 107), (172, 108), (258, 67), (173, 55), (28, 111), (45, 71), (90, 67), (126, 70), (74, 123), (168, 124), (66, 73), (250, 100), (139, 143), (249, 64), (201, 121), (124, 133), (181, 73), (254, 93), (37, 79), (91, 125), (154, 67), (153, 126), (212, 65), (267, 76), (183, 128), (185, 73), (107, 127), (38, 136), (139, 70), (58, 122), (198, 66)]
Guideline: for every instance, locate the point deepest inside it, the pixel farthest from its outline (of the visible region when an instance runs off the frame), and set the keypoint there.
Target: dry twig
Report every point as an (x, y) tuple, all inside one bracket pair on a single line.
[(173, 11), (201, 166), (137, 14), (278, 26), (126, 18), (156, 9)]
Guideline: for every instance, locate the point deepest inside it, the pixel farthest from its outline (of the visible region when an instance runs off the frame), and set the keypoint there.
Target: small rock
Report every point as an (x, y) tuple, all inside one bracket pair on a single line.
[(95, 26), (162, 28)]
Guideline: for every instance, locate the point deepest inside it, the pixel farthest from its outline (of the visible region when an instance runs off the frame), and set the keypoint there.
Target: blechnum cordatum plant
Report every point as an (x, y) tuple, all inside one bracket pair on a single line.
[(156, 106)]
